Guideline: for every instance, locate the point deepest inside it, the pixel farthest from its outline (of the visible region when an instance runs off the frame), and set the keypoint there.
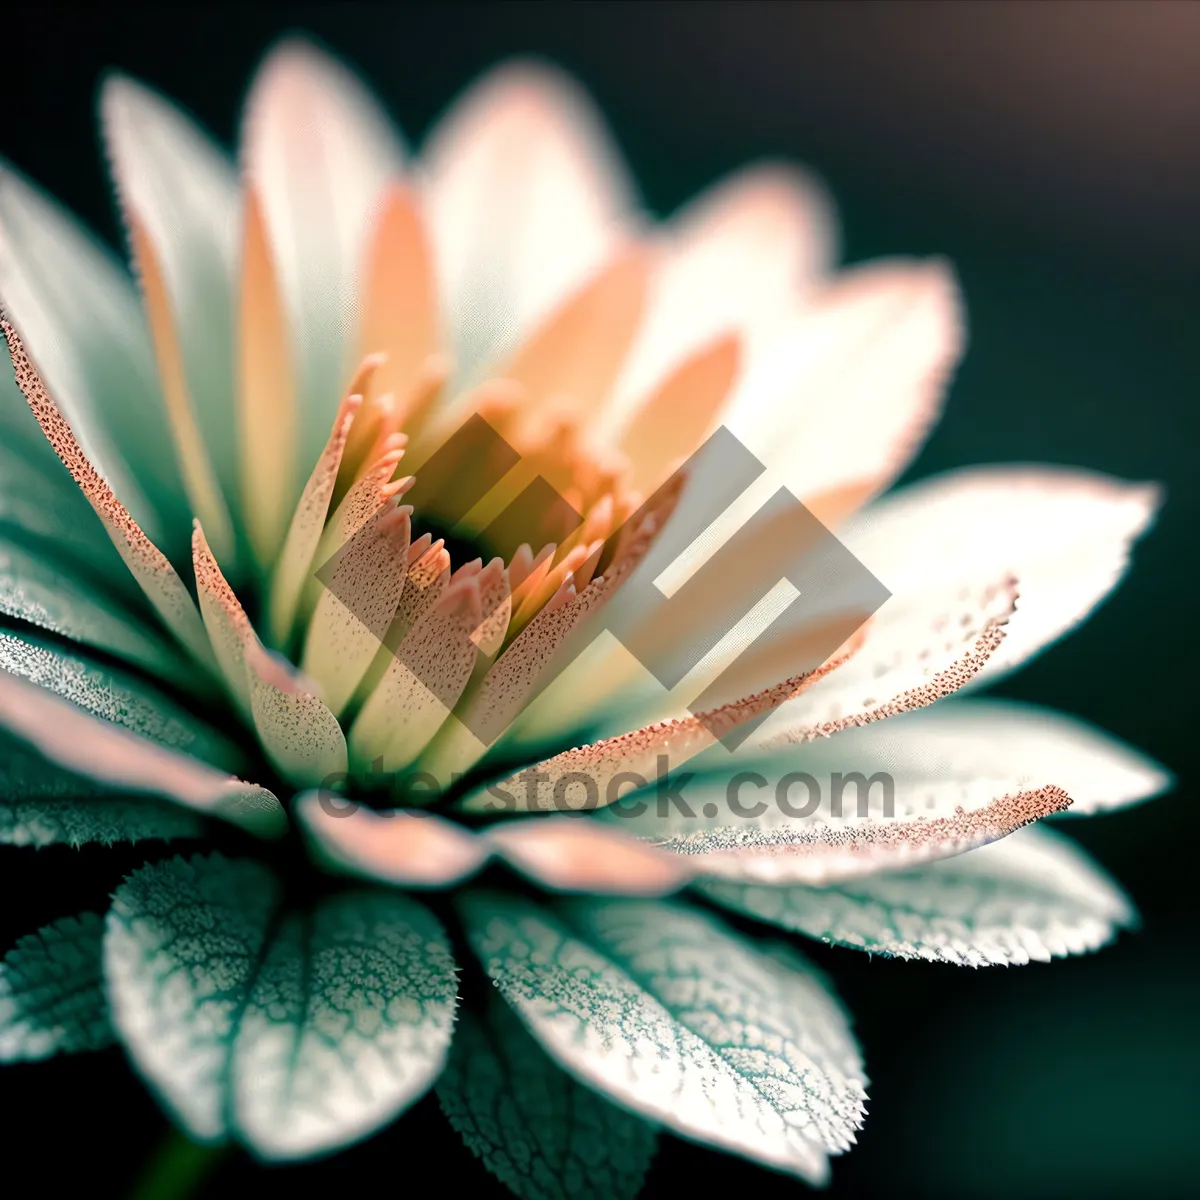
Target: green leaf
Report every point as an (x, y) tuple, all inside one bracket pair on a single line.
[(1031, 895), (42, 804), (52, 992), (536, 1129), (115, 696), (42, 593), (673, 1016), (292, 1032)]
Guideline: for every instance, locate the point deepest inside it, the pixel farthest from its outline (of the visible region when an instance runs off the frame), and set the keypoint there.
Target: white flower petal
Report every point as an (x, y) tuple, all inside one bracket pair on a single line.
[(996, 739), (671, 1015), (1031, 895), (738, 258), (847, 393), (1066, 535), (320, 152), (80, 318), (175, 183), (524, 190)]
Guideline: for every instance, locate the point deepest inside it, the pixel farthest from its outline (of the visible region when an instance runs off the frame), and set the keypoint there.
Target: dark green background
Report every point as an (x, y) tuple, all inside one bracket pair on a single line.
[(1053, 152)]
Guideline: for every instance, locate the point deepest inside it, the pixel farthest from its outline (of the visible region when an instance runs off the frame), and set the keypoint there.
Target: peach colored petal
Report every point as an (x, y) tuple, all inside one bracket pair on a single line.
[(267, 392), (572, 855), (227, 624), (590, 776), (99, 750), (567, 365), (677, 416), (199, 479), (155, 575), (823, 853), (407, 849), (524, 190), (400, 305)]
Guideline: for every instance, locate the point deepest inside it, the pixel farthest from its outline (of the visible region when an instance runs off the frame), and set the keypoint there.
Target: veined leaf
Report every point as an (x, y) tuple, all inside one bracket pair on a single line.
[(1031, 895), (293, 1032), (52, 992), (537, 1129), (673, 1016)]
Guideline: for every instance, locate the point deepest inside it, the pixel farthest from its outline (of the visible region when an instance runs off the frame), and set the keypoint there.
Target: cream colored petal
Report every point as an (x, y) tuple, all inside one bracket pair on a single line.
[(422, 684), (320, 151), (308, 521), (407, 849), (524, 189), (104, 752), (848, 392), (179, 185), (1065, 534), (267, 392), (363, 585), (157, 578), (301, 737)]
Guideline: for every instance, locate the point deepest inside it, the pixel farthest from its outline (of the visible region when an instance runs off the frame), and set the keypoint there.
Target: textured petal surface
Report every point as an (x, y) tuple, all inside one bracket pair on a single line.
[(540, 1132), (1032, 895), (995, 739), (78, 311), (296, 1033), (672, 1016), (1065, 534), (52, 997)]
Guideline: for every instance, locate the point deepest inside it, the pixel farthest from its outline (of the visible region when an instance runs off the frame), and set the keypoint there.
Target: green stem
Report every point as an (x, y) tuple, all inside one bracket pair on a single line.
[(176, 1169)]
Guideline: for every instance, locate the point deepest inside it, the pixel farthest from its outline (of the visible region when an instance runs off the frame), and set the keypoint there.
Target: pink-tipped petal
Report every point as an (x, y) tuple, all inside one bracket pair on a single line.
[(406, 849), (572, 855), (99, 750), (149, 566)]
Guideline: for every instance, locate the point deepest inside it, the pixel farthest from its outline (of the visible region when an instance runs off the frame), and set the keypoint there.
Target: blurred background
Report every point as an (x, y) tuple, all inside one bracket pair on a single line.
[(1052, 151)]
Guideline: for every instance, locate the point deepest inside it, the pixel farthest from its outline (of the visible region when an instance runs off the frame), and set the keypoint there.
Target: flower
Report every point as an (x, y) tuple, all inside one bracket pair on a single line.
[(494, 313)]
